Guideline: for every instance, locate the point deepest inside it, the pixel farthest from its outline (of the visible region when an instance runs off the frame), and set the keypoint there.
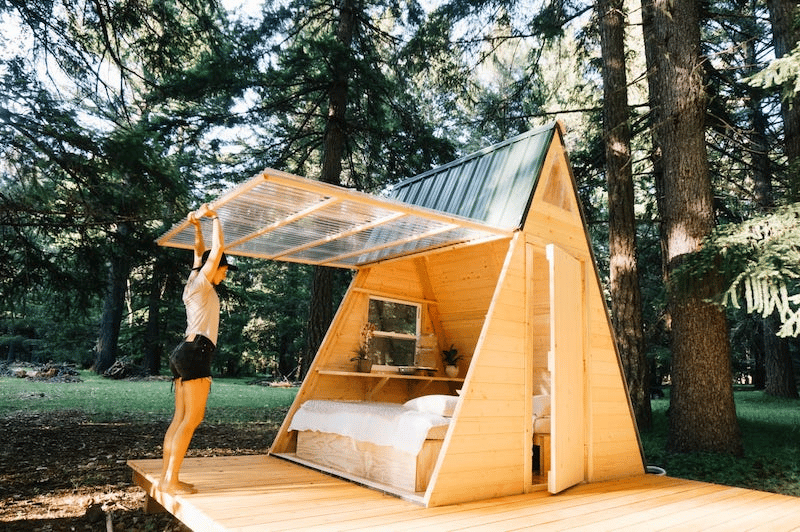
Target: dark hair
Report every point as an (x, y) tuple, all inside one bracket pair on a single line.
[(223, 261)]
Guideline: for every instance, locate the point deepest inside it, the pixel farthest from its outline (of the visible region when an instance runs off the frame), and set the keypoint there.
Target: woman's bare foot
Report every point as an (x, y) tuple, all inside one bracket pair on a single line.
[(176, 488)]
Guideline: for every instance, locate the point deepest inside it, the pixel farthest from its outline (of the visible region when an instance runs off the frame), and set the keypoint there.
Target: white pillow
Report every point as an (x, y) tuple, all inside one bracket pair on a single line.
[(541, 405), (442, 405)]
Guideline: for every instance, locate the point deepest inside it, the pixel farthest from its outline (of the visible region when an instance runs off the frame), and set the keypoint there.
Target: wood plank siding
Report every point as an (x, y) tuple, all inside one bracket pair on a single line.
[(490, 463), (267, 494)]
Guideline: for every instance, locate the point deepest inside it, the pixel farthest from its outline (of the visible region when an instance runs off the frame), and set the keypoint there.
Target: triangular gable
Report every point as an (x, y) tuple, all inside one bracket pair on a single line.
[(613, 445), (557, 191), (484, 454)]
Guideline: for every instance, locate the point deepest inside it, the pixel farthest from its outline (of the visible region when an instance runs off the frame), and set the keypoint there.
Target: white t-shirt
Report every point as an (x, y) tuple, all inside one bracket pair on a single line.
[(202, 307)]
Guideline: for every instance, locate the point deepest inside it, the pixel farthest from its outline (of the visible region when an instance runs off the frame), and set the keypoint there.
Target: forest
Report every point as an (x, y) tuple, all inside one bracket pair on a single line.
[(118, 117)]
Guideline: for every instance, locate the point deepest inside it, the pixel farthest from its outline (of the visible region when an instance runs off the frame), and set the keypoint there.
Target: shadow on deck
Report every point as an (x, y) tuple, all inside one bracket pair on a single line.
[(264, 493)]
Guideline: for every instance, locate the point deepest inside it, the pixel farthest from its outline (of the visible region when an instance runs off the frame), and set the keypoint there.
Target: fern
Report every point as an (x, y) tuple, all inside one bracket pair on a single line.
[(759, 264)]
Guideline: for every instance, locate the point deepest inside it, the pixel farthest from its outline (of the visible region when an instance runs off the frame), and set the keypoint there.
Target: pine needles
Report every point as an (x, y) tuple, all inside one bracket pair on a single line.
[(759, 263)]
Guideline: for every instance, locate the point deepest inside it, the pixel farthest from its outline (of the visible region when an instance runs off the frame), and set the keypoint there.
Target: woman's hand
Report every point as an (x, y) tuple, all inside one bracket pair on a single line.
[(204, 210)]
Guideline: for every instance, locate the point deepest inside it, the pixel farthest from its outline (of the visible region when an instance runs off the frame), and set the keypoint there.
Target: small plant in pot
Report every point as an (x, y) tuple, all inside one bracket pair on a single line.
[(450, 357), (363, 358)]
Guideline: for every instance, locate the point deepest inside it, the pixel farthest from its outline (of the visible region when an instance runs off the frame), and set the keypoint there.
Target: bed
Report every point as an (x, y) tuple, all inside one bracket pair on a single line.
[(392, 444)]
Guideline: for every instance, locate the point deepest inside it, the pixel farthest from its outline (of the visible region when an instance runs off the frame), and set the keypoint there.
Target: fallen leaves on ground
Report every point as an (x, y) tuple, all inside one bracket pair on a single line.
[(62, 471)]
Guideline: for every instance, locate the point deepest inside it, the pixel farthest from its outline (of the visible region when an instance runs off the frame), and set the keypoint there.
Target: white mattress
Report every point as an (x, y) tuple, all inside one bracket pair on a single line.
[(387, 424)]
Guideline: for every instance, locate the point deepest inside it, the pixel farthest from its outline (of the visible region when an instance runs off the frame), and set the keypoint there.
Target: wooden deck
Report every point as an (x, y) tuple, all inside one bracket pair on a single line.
[(265, 493)]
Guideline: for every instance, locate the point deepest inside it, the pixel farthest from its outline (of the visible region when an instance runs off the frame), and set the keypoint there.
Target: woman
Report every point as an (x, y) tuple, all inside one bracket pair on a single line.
[(190, 362)]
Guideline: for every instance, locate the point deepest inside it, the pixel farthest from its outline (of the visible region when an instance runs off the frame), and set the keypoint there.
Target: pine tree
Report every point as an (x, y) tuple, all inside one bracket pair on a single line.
[(336, 99), (95, 148), (624, 272), (702, 411)]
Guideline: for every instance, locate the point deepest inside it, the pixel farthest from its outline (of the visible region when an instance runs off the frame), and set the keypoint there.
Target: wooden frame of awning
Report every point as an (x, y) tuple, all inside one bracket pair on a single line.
[(279, 216)]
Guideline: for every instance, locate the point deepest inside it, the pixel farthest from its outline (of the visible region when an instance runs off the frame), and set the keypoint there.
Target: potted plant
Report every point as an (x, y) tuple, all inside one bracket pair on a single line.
[(450, 357), (363, 358)]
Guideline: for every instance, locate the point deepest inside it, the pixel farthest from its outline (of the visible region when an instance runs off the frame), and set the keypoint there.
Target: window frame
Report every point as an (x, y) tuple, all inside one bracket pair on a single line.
[(397, 335)]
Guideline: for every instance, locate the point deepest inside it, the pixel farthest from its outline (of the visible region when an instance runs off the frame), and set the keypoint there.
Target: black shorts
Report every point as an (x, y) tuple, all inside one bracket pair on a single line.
[(192, 360)]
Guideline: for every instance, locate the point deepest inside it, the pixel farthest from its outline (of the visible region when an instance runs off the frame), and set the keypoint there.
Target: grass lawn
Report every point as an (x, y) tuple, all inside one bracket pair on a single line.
[(230, 400), (771, 436)]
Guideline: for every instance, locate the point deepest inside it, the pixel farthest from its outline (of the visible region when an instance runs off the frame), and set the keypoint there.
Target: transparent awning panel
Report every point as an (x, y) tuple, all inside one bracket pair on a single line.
[(280, 216)]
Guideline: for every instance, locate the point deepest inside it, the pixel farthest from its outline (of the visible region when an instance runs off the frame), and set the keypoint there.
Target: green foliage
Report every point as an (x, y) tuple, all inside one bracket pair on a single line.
[(450, 357), (771, 437), (264, 317), (101, 152), (783, 73), (190, 102), (290, 107), (488, 70), (759, 263), (42, 338)]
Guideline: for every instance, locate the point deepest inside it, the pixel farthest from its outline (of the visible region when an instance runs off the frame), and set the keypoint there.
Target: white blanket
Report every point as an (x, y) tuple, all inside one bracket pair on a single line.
[(378, 423)]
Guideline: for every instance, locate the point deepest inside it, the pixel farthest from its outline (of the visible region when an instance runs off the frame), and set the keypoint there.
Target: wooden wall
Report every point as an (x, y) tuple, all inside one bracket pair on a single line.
[(484, 454), (463, 282), (538, 283), (454, 287), (487, 451)]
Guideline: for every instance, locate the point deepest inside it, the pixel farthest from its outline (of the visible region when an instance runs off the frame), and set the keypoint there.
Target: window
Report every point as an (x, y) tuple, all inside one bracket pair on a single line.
[(396, 325)]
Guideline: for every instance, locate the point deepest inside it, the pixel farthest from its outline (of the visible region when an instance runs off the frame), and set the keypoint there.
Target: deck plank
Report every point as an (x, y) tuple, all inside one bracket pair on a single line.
[(257, 493), (574, 508), (541, 510), (668, 511), (766, 513)]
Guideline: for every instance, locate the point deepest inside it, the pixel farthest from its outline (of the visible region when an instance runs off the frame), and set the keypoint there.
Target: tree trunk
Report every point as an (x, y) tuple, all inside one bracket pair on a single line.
[(762, 192), (626, 298), (334, 141), (779, 372), (758, 372), (153, 348), (320, 312), (650, 52), (113, 306), (702, 410)]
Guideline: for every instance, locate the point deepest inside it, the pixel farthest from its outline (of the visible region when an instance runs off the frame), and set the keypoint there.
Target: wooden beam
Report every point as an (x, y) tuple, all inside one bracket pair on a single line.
[(286, 221), (338, 236), (394, 243)]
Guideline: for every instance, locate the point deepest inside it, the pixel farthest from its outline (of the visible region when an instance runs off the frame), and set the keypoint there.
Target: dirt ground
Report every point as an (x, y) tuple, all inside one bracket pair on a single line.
[(62, 472)]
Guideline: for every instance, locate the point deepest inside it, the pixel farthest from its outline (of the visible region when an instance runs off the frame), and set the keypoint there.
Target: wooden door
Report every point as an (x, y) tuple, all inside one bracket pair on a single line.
[(565, 362)]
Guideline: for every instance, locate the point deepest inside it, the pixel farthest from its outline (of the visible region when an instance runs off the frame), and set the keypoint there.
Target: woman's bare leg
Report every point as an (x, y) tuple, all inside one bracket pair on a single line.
[(177, 417), (190, 403)]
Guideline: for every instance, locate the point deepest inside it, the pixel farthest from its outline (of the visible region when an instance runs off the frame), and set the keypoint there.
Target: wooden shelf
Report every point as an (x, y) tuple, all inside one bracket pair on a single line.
[(383, 378), (387, 375)]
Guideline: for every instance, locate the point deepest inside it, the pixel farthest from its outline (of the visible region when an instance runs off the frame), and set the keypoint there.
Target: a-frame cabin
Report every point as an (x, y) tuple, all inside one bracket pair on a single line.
[(493, 253)]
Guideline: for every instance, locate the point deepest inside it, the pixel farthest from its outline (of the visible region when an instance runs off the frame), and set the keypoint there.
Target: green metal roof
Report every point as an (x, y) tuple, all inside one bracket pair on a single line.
[(494, 185)]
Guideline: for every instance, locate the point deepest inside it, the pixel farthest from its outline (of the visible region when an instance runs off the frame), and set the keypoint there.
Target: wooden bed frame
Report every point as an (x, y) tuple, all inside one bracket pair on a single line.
[(377, 463)]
